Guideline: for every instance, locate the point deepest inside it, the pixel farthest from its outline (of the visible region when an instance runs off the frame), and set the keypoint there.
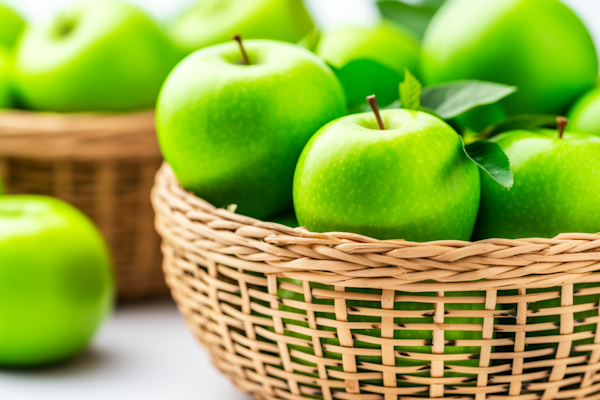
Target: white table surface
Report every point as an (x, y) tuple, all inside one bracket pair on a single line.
[(144, 351)]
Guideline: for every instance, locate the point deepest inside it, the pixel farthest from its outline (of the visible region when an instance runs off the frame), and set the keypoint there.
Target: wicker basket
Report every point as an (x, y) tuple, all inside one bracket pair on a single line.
[(290, 314), (105, 166)]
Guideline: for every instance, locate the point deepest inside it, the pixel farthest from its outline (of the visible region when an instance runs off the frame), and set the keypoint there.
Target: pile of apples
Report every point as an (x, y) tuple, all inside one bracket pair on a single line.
[(480, 151), (108, 55), (274, 123), (274, 127)]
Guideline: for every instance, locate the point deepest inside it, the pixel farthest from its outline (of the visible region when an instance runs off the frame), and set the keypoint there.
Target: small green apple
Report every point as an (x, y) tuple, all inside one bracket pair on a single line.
[(233, 132), (94, 56), (56, 281), (540, 46), (370, 60), (212, 22), (557, 186), (584, 115), (411, 180), (11, 27)]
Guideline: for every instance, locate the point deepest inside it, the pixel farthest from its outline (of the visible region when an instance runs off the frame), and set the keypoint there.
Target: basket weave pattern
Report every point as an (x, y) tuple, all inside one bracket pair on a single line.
[(105, 166), (290, 314)]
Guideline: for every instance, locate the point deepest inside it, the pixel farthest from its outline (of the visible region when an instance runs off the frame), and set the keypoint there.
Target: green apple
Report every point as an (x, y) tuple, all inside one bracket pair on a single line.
[(540, 46), (233, 132), (5, 78), (370, 59), (410, 181), (12, 26), (584, 115), (56, 281), (212, 22), (557, 186), (94, 56)]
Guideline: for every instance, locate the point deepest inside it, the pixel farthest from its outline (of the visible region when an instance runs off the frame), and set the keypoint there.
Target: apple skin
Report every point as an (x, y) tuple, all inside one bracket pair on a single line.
[(371, 60), (233, 133), (211, 22), (557, 186), (540, 46), (584, 115), (12, 26), (95, 56), (56, 280), (411, 181)]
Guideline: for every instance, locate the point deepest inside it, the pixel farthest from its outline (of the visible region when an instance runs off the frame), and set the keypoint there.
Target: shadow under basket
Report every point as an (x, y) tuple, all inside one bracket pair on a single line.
[(290, 314), (103, 164)]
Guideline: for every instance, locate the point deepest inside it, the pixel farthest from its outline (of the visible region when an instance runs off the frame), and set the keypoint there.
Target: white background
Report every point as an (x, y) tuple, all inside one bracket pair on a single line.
[(144, 351)]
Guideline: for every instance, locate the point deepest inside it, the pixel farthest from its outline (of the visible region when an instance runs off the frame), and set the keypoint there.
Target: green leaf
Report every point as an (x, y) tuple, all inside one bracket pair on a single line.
[(449, 100), (522, 121), (311, 40), (412, 14), (410, 92), (490, 157)]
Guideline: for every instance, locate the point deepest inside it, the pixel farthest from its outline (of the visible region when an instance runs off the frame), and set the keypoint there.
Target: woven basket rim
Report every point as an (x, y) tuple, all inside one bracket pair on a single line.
[(84, 136), (352, 260)]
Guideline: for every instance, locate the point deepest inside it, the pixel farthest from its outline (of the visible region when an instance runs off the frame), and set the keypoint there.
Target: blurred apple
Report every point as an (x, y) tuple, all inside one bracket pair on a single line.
[(56, 280), (540, 46), (97, 55), (216, 21), (11, 27), (584, 115), (370, 60)]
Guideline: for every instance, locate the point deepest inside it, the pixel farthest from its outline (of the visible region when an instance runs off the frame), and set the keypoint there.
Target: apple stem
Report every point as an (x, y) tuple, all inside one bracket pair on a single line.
[(245, 58), (372, 100), (561, 124)]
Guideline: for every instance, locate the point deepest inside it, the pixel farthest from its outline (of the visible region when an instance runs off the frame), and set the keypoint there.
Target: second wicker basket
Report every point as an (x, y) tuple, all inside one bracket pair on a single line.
[(104, 164)]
